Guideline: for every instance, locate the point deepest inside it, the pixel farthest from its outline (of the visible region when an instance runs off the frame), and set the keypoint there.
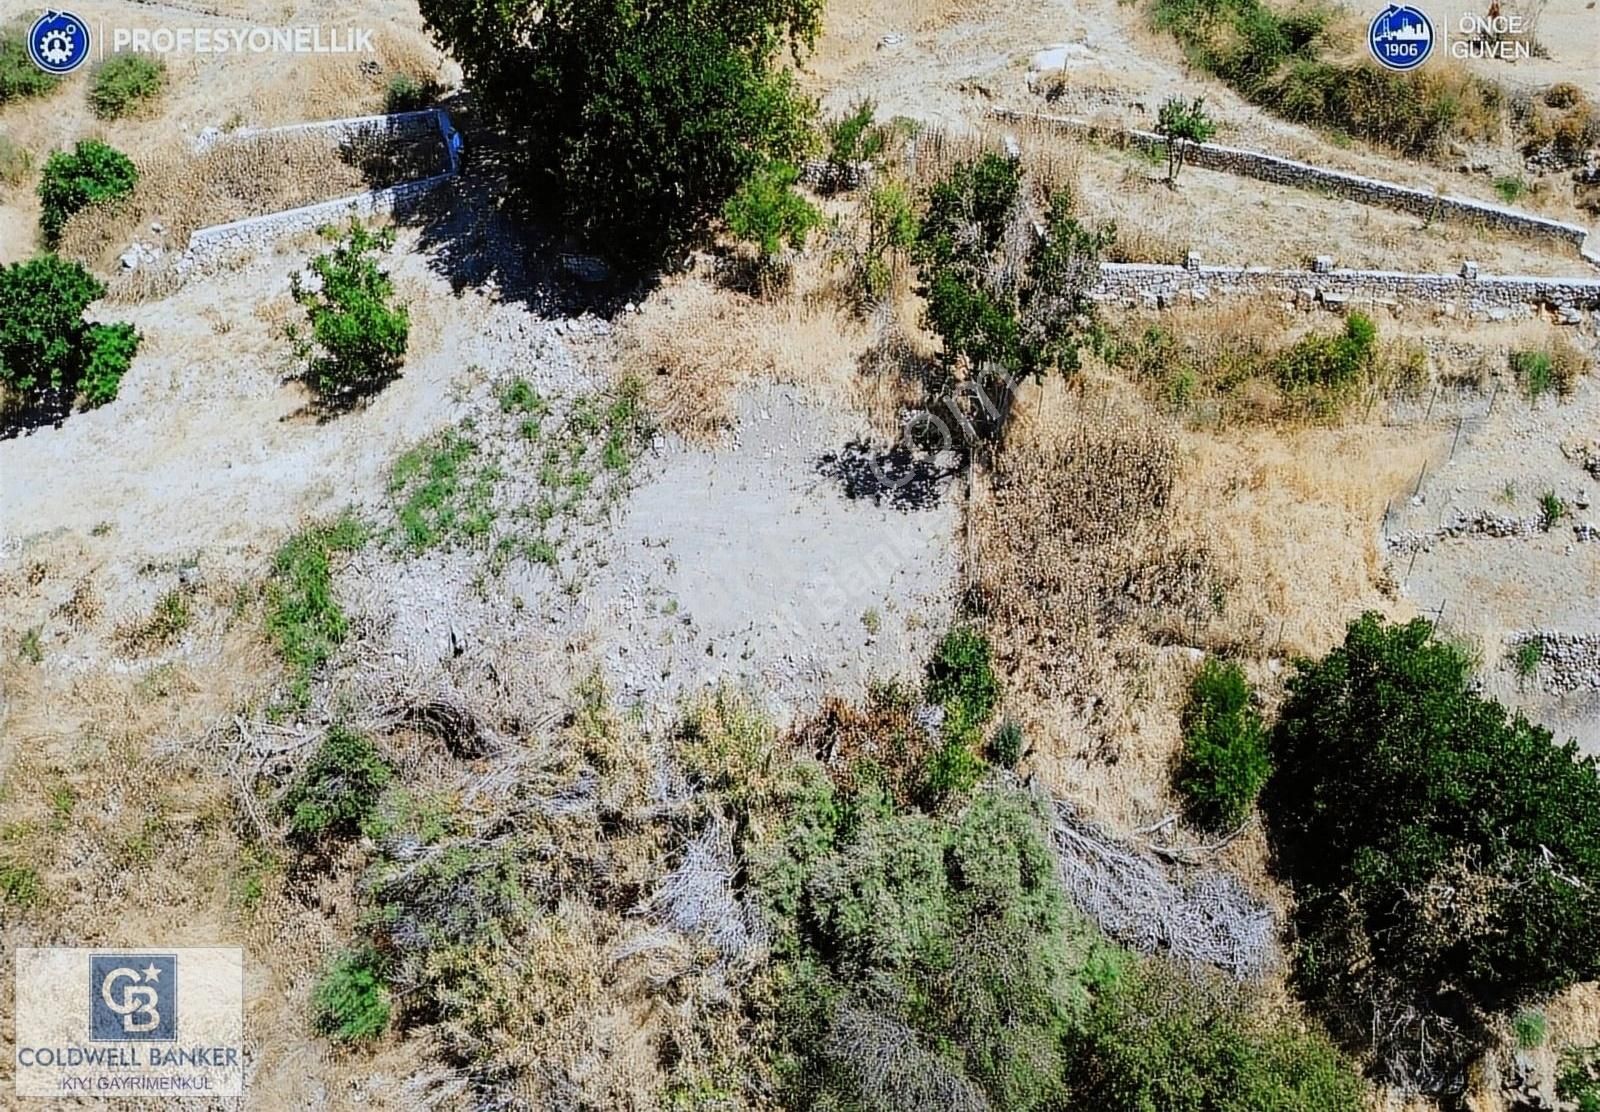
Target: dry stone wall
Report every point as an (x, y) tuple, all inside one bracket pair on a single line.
[(209, 246), (1468, 292), (1355, 187)]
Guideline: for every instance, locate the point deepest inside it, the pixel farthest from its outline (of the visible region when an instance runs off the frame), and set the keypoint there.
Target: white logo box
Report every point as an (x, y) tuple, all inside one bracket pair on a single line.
[(168, 1026)]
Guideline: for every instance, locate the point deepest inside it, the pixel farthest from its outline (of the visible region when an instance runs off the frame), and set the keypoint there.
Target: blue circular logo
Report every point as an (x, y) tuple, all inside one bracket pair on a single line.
[(59, 42), (1401, 37)]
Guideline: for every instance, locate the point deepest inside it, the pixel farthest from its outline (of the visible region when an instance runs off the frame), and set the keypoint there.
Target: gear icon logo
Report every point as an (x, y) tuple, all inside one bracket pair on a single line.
[(58, 42)]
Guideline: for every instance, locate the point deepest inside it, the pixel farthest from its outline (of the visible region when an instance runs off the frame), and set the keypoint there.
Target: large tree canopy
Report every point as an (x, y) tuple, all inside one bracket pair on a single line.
[(635, 119), (1437, 843)]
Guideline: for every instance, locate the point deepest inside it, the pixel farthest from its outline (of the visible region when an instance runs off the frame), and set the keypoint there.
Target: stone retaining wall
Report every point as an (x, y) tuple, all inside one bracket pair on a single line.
[(209, 246), (1469, 292), (1303, 175)]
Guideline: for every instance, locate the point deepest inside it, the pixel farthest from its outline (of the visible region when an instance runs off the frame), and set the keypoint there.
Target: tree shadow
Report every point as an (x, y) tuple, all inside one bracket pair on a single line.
[(482, 230), (21, 416), (902, 477)]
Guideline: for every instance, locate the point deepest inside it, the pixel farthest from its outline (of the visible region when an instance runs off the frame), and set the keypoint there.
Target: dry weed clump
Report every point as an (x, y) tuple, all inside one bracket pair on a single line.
[(1072, 540), (180, 191)]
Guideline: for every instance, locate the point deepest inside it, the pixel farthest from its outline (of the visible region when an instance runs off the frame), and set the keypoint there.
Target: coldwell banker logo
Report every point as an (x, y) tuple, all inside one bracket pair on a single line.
[(133, 997), (157, 1023), (58, 42), (1401, 37)]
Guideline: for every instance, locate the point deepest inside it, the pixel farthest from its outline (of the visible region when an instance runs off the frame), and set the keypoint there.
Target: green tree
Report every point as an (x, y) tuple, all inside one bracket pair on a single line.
[(1224, 761), (47, 350), (1440, 847), (635, 122), (92, 174), (1182, 122), (359, 334), (767, 212)]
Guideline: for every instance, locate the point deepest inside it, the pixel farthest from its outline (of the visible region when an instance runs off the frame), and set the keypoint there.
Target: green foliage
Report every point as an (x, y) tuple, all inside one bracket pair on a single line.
[(953, 929), (338, 790), (1330, 365), (1003, 318), (1435, 842), (852, 139), (442, 496), (1526, 658), (1552, 508), (304, 620), (1224, 761), (1006, 746), (767, 212), (1182, 122), (1510, 187), (1161, 1039), (19, 77), (358, 334), (1579, 1078), (408, 93), (124, 83), (30, 646), (111, 351), (961, 676), (637, 122), (351, 1002), (92, 174), (19, 884), (47, 349), (1555, 368), (1529, 1029)]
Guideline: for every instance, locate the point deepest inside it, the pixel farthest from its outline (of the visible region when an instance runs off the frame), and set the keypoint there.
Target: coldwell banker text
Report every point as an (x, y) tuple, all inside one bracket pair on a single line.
[(242, 40)]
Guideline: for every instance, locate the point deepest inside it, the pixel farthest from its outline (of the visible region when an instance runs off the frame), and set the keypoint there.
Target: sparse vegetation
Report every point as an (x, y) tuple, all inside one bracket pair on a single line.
[(1445, 854), (1552, 508), (19, 885), (1579, 1078), (94, 173), (408, 93), (443, 494), (1540, 371), (304, 620), (1224, 761), (1526, 658), (1510, 188), (16, 164), (125, 84), (1530, 1029), (359, 333), (19, 77), (30, 647)]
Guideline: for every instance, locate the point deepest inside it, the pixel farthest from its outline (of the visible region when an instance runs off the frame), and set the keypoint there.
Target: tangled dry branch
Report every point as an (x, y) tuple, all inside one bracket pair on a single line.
[(1209, 919)]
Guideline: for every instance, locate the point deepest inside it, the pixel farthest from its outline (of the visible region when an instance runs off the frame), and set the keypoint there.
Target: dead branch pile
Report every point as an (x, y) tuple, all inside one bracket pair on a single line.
[(697, 899), (892, 1068), (1209, 919)]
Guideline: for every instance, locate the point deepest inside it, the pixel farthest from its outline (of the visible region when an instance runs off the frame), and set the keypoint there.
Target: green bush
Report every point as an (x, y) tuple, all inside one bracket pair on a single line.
[(1224, 760), (1579, 1078), (94, 173), (124, 83), (1529, 1029), (1330, 365), (407, 93), (358, 335), (767, 212), (1006, 747), (351, 1001), (1438, 846), (338, 789), (961, 676), (637, 122), (48, 352), (952, 930), (19, 77), (1168, 1040), (19, 884)]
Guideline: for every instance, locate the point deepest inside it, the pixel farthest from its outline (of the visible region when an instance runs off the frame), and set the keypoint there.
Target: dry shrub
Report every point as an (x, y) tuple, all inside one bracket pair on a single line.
[(696, 344), (236, 178), (883, 731), (1071, 540)]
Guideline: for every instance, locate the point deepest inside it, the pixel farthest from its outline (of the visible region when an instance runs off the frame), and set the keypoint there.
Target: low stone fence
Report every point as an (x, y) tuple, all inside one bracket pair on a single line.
[(209, 246), (1469, 291), (1304, 175)]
